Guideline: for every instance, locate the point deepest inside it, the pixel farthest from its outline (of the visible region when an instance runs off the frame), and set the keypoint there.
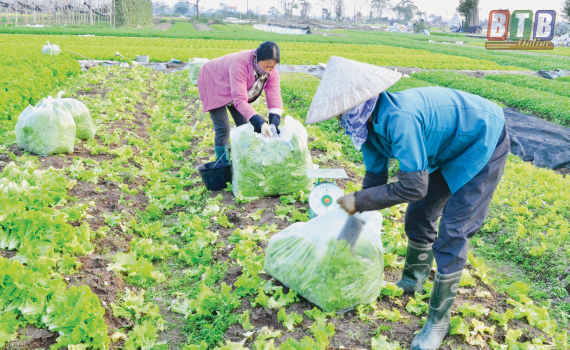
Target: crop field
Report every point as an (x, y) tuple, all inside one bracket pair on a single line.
[(119, 245), (293, 53), (531, 95), (241, 32), (557, 51)]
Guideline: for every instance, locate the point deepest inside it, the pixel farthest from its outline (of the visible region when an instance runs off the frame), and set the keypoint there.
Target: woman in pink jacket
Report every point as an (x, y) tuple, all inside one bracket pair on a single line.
[(233, 82)]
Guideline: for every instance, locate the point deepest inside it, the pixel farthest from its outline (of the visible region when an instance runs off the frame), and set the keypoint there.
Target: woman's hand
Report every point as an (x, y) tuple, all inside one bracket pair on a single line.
[(348, 203), (260, 126), (266, 131)]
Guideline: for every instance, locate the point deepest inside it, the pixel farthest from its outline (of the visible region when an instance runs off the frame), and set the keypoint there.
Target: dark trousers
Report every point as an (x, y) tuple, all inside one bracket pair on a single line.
[(462, 213), (221, 122)]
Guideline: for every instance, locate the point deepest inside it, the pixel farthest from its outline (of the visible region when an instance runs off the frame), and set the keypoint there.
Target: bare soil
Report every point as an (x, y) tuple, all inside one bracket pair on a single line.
[(564, 172), (8, 254), (201, 26), (162, 26), (325, 33), (33, 338), (106, 284)]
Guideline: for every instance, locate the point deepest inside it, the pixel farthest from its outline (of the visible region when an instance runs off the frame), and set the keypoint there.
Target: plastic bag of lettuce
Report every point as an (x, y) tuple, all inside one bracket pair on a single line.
[(85, 130), (330, 273), (269, 167), (46, 130), (194, 65)]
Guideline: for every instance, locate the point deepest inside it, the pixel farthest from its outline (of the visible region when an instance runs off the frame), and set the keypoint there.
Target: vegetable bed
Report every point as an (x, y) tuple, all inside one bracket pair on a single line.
[(163, 50), (553, 86), (164, 263), (547, 105)]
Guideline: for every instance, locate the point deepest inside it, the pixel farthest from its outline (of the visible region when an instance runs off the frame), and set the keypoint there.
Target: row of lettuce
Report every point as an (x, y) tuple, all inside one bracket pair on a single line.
[(528, 227), (46, 242), (165, 49), (544, 98), (369, 38), (41, 224), (196, 275)]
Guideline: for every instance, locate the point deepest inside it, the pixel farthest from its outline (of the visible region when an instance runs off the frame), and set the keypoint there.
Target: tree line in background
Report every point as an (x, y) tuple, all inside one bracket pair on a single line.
[(90, 12), (287, 9), (377, 10), (566, 9)]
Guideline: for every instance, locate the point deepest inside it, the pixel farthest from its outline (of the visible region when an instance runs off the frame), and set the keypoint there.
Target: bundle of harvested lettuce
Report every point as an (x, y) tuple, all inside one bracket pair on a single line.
[(308, 258), (269, 167)]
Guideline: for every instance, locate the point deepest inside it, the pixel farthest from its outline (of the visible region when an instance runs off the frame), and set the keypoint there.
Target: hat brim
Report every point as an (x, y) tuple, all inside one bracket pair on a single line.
[(347, 84)]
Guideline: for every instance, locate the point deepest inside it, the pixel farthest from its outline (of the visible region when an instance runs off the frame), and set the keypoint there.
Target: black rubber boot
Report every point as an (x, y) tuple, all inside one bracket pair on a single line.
[(419, 260), (437, 325)]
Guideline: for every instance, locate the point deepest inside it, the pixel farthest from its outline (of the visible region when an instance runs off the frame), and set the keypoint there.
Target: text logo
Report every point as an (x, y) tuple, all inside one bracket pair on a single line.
[(527, 32)]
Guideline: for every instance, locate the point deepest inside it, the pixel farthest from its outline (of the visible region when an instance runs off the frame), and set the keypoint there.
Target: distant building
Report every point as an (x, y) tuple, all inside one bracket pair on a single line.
[(455, 21), (435, 20), (231, 9)]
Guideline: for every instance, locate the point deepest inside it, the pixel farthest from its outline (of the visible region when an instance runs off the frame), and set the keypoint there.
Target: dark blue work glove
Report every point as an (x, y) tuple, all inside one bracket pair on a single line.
[(257, 122), (275, 119)]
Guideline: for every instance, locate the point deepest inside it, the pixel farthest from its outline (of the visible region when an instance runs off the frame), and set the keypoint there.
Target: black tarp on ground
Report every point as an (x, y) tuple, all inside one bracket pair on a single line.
[(536, 140)]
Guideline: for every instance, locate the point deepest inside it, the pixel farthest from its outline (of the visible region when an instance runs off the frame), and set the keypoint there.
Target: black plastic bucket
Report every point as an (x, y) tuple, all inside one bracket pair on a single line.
[(215, 175)]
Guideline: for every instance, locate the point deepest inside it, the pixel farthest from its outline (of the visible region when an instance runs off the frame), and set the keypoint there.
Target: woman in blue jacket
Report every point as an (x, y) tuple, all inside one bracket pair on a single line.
[(452, 148)]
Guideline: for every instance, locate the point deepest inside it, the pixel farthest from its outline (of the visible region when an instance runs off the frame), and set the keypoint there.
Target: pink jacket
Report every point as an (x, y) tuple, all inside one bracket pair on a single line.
[(227, 78)]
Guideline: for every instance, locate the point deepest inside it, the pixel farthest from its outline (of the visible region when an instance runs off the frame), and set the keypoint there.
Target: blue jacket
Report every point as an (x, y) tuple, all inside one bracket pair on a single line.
[(433, 128)]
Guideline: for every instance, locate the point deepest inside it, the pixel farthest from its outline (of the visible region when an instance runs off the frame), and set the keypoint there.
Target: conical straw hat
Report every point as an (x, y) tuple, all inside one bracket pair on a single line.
[(345, 85)]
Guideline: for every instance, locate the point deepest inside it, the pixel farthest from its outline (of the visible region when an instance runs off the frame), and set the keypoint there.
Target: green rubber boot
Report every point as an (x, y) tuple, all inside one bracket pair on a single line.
[(222, 152), (437, 325), (419, 260)]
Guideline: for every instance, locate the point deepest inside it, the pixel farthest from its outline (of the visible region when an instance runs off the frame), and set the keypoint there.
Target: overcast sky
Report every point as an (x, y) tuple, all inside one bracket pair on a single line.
[(445, 8)]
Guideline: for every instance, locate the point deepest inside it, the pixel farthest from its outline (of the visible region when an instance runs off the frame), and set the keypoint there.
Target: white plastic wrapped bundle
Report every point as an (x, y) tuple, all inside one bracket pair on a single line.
[(51, 49), (194, 65), (270, 167), (46, 130), (85, 130), (330, 273)]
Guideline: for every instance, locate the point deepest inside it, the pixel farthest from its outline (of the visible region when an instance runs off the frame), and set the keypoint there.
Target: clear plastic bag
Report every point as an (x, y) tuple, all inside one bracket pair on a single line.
[(269, 167), (194, 65), (51, 49), (308, 258), (45, 130), (85, 130)]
